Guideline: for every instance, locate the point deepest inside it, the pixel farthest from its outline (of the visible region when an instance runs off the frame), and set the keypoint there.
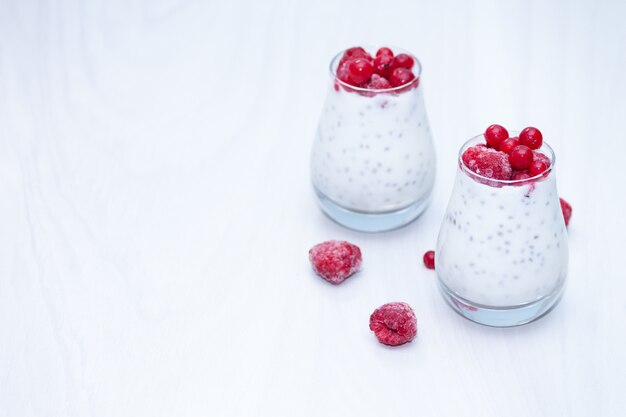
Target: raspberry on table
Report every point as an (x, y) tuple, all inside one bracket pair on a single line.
[(566, 208), (335, 260), (429, 259), (487, 162), (394, 323)]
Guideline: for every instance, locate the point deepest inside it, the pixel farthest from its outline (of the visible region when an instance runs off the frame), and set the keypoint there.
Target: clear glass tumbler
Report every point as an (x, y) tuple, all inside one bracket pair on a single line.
[(502, 251), (373, 160)]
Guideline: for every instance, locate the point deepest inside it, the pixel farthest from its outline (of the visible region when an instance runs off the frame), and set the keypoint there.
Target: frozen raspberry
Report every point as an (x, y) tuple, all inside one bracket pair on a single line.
[(537, 167), (359, 70), (401, 76), (384, 51), (538, 156), (521, 157), (531, 137), (429, 259), (378, 83), (403, 61), (353, 53), (521, 175), (507, 145), (495, 134), (394, 323), (382, 65), (487, 162), (342, 72), (566, 208), (335, 260)]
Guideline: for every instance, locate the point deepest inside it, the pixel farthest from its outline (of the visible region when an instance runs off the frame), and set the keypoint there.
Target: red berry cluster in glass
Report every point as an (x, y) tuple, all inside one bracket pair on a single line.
[(508, 158), (385, 70)]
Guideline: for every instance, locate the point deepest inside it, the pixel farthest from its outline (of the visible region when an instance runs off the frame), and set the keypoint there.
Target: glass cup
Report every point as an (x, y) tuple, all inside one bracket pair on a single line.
[(502, 251), (373, 160)]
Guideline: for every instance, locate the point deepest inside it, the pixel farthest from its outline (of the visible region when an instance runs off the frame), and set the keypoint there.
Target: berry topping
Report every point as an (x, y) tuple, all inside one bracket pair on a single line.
[(429, 259), (384, 51), (378, 83), (342, 72), (487, 162), (521, 157), (359, 70), (335, 260), (494, 135), (401, 76), (394, 323), (537, 167), (538, 156), (566, 208), (507, 145), (521, 175), (531, 137), (382, 65), (353, 53), (403, 61)]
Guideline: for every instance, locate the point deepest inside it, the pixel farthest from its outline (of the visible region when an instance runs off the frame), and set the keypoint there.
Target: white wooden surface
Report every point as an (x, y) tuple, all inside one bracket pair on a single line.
[(155, 211)]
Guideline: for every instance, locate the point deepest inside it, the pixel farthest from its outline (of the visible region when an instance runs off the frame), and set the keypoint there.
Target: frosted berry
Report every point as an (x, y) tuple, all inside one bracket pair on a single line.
[(537, 167), (521, 157), (429, 259), (495, 134), (521, 175), (507, 145), (384, 51), (378, 83), (403, 61), (353, 53), (335, 260), (359, 70), (566, 208), (531, 137), (394, 323), (538, 156), (382, 65), (342, 73), (401, 76), (487, 162)]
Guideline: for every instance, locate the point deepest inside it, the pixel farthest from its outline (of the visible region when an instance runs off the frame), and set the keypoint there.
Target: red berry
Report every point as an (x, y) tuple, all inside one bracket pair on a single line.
[(487, 162), (382, 65), (384, 51), (429, 259), (538, 156), (394, 323), (403, 61), (537, 167), (521, 175), (531, 137), (566, 208), (378, 83), (359, 70), (507, 145), (335, 260), (494, 135), (521, 157), (342, 73), (401, 76), (355, 52)]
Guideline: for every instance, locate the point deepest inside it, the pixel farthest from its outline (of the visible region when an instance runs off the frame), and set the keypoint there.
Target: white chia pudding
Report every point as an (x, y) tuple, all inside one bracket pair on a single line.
[(505, 245), (373, 152)]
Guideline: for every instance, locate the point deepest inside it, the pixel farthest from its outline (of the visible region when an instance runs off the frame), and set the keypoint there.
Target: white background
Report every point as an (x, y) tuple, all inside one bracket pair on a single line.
[(156, 212)]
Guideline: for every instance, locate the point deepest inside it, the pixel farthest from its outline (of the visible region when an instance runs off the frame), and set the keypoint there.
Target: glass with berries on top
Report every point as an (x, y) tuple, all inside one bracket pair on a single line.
[(373, 160), (502, 250)]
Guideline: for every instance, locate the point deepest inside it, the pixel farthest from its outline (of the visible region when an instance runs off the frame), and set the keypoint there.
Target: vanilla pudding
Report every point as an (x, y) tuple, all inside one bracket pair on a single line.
[(503, 243), (373, 151)]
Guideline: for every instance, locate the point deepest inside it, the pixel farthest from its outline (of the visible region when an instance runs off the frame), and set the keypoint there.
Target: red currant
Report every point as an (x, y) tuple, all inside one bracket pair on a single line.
[(495, 134), (507, 145), (403, 61), (342, 73), (521, 157), (521, 175), (353, 53), (384, 51), (537, 167), (531, 137), (382, 65), (429, 259), (360, 70), (401, 76)]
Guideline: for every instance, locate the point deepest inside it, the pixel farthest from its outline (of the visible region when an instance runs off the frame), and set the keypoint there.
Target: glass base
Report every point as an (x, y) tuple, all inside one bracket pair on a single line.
[(502, 316), (371, 222)]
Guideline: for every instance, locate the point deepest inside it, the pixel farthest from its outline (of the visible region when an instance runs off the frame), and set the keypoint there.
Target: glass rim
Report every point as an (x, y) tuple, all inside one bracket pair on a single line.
[(546, 149), (335, 60)]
